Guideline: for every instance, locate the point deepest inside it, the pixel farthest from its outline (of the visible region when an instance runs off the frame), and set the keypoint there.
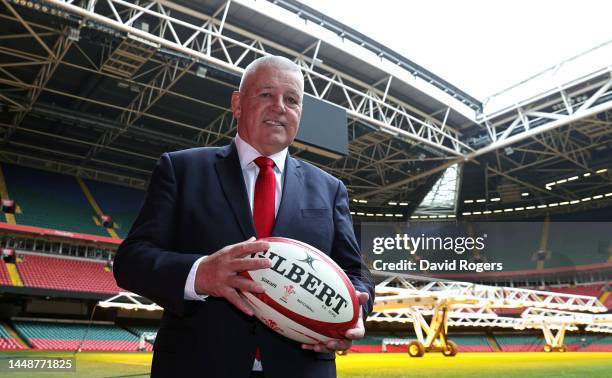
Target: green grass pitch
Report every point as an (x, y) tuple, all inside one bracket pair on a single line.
[(366, 365)]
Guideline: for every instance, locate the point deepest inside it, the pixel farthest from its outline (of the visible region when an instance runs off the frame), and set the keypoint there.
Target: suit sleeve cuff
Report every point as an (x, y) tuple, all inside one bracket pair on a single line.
[(190, 292)]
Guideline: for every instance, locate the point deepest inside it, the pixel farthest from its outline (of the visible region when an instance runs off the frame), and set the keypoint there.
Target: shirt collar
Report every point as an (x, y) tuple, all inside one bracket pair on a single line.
[(246, 154)]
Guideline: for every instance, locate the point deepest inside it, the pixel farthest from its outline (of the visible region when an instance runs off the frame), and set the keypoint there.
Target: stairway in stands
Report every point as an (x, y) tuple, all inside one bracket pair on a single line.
[(14, 274), (493, 342), (9, 340)]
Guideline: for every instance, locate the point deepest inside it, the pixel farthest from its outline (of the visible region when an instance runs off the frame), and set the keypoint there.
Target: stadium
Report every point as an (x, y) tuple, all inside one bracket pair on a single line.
[(92, 93)]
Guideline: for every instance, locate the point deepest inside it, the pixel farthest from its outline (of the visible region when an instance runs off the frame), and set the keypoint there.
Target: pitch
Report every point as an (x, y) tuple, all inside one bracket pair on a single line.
[(369, 365), (524, 365)]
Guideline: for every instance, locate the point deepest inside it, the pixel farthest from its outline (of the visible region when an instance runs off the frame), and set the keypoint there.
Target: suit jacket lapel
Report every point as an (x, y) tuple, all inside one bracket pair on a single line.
[(230, 176), (290, 202)]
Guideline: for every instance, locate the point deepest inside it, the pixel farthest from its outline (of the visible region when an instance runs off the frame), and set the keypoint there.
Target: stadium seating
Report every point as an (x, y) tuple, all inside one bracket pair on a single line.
[(373, 344), (121, 203), (5, 279), (508, 342), (62, 273), (508, 311), (608, 302), (50, 200), (7, 342), (593, 290), (471, 343), (520, 343), (466, 343), (595, 343), (575, 342), (517, 255), (139, 330), (71, 336), (570, 247), (567, 246)]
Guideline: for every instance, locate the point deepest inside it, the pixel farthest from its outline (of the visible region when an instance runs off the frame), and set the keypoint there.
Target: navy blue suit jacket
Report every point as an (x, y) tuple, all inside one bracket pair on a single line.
[(197, 204)]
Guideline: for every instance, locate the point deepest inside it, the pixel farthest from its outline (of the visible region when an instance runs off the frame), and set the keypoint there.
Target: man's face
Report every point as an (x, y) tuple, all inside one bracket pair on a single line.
[(268, 109)]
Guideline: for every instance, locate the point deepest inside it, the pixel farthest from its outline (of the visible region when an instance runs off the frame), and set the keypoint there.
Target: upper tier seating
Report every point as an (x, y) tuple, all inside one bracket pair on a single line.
[(569, 244), (50, 200), (121, 203)]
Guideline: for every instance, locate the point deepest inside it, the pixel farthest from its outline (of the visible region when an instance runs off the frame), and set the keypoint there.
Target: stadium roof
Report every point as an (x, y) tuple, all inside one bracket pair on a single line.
[(101, 92)]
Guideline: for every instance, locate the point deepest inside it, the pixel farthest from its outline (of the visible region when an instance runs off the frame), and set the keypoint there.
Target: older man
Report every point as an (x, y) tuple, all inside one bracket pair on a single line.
[(197, 228)]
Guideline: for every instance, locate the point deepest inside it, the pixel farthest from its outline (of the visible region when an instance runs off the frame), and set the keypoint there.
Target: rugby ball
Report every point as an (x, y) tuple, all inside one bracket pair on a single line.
[(308, 297)]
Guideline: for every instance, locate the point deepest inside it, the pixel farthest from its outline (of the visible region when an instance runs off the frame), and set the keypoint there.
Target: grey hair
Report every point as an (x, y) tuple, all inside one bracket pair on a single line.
[(268, 61)]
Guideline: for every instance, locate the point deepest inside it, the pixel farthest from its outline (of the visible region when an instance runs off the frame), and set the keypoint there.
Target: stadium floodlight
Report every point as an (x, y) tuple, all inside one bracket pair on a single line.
[(201, 72), (317, 62), (74, 34)]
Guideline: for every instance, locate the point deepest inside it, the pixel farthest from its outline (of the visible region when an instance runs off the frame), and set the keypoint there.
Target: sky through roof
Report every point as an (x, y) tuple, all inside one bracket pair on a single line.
[(482, 47)]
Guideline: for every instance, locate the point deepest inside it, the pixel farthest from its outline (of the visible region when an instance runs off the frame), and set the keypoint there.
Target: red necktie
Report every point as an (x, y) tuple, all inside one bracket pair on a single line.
[(264, 202)]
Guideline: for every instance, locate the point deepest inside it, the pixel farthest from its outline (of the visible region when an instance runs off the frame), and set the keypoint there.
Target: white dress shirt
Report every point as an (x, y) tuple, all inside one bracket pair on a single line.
[(247, 154)]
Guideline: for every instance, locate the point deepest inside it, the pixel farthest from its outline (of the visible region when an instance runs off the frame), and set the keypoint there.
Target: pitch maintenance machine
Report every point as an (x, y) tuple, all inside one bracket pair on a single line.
[(408, 299)]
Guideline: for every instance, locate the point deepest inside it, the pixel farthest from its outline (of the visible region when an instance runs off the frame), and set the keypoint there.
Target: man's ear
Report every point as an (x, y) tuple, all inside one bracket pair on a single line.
[(236, 108)]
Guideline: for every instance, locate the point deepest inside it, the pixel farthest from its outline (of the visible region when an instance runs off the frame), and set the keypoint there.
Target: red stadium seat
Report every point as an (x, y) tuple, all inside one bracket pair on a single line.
[(63, 273), (5, 279)]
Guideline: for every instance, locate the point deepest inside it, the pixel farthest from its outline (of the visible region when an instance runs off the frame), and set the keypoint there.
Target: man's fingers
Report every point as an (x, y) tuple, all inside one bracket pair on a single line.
[(232, 296), (338, 344), (246, 284), (248, 248), (244, 264), (355, 333), (363, 297), (330, 346), (315, 347)]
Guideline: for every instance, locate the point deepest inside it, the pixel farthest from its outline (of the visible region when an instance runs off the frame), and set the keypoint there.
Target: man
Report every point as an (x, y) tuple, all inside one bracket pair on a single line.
[(195, 231)]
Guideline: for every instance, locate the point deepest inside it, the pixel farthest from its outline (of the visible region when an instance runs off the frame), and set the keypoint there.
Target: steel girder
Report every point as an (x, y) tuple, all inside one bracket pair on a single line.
[(375, 168), (224, 45)]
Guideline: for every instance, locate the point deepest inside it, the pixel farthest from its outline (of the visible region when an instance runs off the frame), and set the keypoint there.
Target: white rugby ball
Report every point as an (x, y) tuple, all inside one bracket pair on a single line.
[(308, 297)]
